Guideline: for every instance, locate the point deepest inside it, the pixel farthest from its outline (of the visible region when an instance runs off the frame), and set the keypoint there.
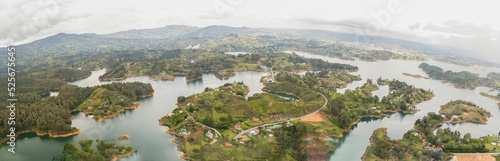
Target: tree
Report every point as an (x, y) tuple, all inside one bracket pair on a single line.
[(344, 118), (467, 138), (181, 99), (403, 106)]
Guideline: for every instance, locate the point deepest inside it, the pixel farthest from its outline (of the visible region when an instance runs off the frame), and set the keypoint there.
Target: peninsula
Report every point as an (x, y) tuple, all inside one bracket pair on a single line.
[(106, 151)]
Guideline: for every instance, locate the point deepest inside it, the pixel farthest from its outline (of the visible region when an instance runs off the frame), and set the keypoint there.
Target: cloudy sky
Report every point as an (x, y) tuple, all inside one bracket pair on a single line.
[(469, 25)]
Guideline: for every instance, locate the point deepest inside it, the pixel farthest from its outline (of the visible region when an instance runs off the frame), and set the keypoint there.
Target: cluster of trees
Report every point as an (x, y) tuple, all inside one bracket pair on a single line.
[(344, 115), (106, 151), (452, 141), (131, 89), (193, 74), (428, 123), (463, 79)]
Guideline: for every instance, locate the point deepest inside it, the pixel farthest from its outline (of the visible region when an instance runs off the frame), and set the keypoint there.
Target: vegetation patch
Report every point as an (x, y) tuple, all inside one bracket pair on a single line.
[(462, 111), (415, 75)]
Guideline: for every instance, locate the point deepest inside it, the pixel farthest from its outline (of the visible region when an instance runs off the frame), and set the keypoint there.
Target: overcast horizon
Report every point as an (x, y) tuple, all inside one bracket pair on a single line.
[(471, 26)]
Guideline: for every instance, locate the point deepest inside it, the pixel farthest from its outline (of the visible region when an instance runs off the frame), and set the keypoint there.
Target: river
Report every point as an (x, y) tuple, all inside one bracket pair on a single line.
[(153, 144)]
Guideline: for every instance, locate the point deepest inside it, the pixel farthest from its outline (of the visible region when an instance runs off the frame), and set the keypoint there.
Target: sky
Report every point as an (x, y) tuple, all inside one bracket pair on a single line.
[(469, 25)]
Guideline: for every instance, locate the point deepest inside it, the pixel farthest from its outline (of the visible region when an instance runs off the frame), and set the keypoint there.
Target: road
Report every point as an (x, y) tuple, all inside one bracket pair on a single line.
[(279, 122)]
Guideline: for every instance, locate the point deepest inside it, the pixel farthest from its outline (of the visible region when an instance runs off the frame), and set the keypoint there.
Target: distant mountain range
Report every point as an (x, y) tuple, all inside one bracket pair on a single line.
[(165, 37)]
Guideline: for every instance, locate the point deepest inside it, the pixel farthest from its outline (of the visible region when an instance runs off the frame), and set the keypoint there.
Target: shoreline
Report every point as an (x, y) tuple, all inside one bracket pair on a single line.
[(177, 143), (133, 107), (118, 157), (371, 142), (101, 118), (78, 131)]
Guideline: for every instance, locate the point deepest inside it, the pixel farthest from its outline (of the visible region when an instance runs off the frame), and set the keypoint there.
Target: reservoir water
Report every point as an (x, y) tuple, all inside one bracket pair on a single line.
[(153, 144)]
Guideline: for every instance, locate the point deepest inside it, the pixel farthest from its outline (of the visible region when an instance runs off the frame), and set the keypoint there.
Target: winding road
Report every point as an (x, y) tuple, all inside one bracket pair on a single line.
[(279, 122)]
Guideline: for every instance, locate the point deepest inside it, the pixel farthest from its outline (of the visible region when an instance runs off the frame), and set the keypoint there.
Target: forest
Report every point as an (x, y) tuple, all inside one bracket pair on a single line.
[(103, 151), (37, 112), (66, 74)]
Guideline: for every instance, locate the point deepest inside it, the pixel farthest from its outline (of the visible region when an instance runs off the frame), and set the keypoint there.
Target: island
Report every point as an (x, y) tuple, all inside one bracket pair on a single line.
[(106, 151), (107, 101), (381, 147), (415, 75), (462, 111), (463, 79), (123, 137)]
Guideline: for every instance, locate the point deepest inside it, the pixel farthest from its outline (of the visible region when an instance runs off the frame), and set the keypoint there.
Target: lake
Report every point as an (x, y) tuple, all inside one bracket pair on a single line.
[(153, 144)]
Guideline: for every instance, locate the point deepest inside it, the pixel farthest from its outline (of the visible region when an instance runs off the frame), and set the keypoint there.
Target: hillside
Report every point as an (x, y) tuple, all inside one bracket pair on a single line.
[(179, 37)]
